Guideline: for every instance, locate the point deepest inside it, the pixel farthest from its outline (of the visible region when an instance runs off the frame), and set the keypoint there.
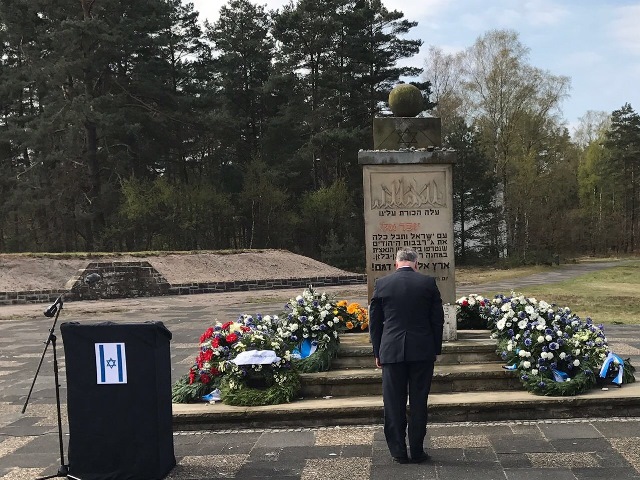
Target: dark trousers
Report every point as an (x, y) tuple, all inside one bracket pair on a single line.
[(398, 380)]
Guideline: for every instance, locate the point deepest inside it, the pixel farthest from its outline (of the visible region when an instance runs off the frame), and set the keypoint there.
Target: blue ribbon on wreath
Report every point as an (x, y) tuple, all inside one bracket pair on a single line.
[(559, 376), (613, 358), (305, 349)]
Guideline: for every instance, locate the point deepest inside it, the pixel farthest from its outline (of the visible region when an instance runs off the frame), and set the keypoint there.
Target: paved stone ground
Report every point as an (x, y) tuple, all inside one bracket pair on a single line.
[(597, 448)]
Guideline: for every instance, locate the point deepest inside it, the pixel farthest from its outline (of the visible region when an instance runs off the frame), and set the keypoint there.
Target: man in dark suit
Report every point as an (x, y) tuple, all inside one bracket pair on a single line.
[(406, 323)]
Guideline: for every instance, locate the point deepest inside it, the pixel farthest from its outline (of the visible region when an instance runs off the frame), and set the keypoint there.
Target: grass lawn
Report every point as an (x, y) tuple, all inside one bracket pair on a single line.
[(608, 296)]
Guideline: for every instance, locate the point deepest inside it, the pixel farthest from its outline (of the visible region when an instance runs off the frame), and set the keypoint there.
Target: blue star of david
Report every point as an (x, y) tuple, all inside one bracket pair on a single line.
[(111, 363)]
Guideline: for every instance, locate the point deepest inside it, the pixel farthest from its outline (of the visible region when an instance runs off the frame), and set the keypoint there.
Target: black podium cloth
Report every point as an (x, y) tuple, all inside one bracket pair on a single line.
[(119, 400)]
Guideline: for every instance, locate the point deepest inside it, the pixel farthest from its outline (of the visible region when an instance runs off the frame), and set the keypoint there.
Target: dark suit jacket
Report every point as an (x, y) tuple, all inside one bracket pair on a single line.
[(406, 317)]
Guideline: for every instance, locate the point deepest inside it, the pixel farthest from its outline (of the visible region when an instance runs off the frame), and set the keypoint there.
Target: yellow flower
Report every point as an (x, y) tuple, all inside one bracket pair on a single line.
[(342, 303), (352, 308), (349, 325)]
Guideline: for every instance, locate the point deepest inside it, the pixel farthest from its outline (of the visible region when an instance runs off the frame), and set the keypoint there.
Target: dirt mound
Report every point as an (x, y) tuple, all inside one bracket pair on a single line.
[(23, 273)]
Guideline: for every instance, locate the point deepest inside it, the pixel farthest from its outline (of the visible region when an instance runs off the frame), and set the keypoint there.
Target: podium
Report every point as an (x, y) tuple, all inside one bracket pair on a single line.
[(119, 400)]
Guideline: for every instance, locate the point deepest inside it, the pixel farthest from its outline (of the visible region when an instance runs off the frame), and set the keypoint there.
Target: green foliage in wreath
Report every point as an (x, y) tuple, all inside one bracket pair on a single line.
[(320, 360), (272, 388), (184, 391), (544, 385), (628, 376)]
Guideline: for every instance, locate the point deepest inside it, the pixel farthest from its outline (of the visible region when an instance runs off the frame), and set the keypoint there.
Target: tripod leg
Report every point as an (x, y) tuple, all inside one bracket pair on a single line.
[(63, 470)]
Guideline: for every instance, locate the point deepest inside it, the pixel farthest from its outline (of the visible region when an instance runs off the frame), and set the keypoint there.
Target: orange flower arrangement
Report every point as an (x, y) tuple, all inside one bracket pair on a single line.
[(355, 316)]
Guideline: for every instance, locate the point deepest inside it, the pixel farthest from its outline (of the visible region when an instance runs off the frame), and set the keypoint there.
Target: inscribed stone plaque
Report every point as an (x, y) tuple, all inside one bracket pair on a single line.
[(411, 205)]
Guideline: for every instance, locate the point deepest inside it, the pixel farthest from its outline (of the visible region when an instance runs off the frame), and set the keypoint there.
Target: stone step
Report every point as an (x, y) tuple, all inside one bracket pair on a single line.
[(356, 351), (446, 378), (352, 355), (443, 407)]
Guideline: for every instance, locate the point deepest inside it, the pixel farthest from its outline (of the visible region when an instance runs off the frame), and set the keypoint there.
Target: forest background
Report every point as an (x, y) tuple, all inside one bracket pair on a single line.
[(128, 126)]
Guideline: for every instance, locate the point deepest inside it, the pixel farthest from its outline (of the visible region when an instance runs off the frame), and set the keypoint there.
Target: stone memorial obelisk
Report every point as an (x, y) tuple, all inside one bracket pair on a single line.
[(408, 197)]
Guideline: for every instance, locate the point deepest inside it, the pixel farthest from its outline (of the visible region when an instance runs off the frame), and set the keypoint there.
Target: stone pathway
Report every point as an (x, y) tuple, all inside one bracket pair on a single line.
[(579, 449)]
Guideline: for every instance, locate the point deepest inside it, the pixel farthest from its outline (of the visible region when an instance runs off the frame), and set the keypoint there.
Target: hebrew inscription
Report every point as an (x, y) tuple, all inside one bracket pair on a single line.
[(410, 191)]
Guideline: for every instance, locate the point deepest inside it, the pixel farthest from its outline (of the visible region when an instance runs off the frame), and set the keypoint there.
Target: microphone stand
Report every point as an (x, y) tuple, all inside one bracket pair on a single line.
[(53, 310)]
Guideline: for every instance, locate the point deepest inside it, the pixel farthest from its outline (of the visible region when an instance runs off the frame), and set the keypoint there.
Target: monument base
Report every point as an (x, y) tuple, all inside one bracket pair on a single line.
[(450, 332)]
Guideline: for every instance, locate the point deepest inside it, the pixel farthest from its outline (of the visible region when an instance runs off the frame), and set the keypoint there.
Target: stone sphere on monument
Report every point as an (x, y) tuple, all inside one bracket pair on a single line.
[(405, 100)]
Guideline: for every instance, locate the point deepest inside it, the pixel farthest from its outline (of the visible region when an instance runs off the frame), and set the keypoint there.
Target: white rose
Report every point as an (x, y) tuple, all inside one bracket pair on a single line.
[(522, 353), (543, 355), (548, 338), (529, 309), (550, 355), (562, 355), (534, 371), (526, 364), (330, 323), (522, 324), (540, 339), (576, 362), (509, 347)]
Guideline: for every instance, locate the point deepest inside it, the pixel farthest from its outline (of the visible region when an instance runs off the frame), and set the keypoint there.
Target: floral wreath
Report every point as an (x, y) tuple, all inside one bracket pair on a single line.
[(215, 347), (312, 318), (553, 350), (259, 384), (470, 312)]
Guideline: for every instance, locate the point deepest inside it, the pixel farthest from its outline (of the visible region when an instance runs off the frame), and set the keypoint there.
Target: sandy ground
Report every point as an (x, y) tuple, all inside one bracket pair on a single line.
[(20, 273)]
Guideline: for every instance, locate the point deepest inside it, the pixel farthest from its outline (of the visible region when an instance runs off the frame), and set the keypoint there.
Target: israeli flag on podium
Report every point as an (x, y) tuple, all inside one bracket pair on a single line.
[(111, 363)]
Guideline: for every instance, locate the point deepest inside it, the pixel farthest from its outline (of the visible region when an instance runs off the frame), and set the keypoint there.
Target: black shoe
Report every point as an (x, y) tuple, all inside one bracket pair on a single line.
[(422, 457), (402, 460)]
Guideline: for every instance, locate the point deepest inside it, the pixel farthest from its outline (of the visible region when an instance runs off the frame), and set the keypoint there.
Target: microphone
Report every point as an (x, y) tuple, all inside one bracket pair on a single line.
[(53, 309), (92, 278)]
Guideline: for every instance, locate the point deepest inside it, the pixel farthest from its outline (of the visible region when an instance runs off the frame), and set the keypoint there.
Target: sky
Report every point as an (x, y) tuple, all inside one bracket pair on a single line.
[(596, 43)]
